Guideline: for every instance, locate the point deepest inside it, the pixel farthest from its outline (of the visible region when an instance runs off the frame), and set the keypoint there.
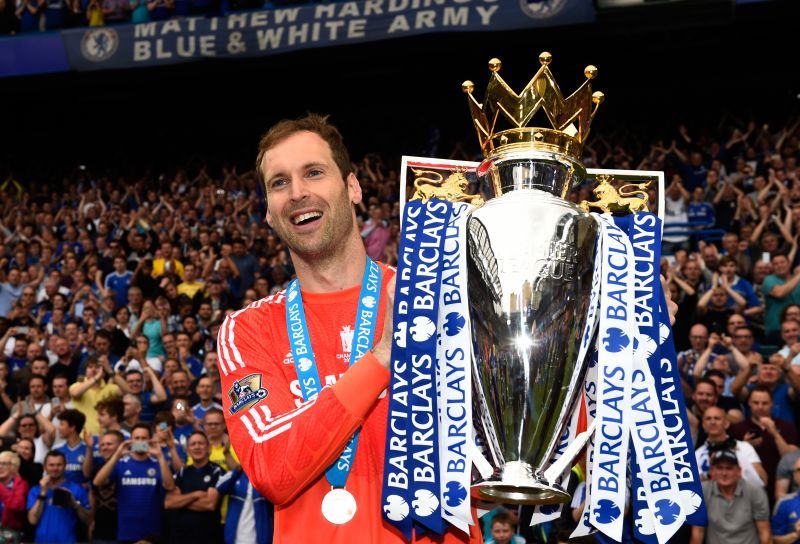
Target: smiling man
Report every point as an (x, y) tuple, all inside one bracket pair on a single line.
[(287, 433)]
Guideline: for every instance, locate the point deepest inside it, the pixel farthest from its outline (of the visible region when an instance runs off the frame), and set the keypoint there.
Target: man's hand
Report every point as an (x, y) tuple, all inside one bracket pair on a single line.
[(44, 483), (769, 424), (672, 307), (383, 349)]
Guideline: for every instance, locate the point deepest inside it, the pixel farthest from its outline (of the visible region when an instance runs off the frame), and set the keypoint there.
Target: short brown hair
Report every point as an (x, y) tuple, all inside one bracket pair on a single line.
[(312, 122)]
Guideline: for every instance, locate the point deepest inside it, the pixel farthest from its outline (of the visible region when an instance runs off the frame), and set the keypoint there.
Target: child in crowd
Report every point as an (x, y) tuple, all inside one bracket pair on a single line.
[(502, 530)]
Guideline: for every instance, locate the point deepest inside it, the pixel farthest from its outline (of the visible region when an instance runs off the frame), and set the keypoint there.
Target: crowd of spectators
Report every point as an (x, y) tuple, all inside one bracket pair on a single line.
[(112, 291), (111, 295), (26, 16)]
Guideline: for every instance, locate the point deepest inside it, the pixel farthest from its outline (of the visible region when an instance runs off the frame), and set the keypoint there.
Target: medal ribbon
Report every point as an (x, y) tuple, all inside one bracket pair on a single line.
[(306, 364)]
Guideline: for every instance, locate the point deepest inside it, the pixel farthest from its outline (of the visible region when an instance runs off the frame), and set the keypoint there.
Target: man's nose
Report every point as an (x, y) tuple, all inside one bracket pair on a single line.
[(298, 188)]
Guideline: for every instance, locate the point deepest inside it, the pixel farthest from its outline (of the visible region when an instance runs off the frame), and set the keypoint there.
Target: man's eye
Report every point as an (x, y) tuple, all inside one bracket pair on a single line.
[(277, 182), (314, 173)]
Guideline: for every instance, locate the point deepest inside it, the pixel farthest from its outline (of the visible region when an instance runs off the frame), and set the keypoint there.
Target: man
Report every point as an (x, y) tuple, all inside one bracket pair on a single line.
[(704, 397), (56, 515), (131, 412), (716, 427), (244, 499), (10, 290), (376, 233), (148, 400), (179, 385), (713, 308), (67, 361), (105, 496), (731, 281), (311, 194), (61, 401), (190, 286), (37, 401), (780, 288), (730, 246), (743, 340), (141, 475), (71, 423), (698, 339), (786, 519), (109, 415), (119, 281), (246, 263), (771, 438), (93, 389), (185, 422), (769, 374), (732, 407), (166, 264), (186, 357), (193, 502), (19, 354), (738, 512), (790, 333), (220, 451), (205, 391)]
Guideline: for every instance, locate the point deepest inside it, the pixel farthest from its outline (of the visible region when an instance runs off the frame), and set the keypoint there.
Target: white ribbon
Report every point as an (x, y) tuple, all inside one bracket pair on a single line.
[(454, 375), (618, 330)]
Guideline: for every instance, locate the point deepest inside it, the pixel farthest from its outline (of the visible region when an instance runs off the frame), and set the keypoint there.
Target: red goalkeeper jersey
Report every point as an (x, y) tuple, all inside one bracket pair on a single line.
[(285, 445)]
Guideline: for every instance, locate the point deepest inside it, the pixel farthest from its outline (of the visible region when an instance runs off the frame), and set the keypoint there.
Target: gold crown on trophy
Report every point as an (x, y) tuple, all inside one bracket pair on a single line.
[(570, 117)]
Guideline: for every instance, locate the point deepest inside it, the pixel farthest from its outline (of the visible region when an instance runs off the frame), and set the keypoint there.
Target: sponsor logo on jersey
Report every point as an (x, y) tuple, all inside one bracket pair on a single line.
[(246, 392)]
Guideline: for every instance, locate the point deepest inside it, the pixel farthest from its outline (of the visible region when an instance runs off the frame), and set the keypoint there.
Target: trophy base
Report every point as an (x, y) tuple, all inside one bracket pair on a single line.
[(517, 485)]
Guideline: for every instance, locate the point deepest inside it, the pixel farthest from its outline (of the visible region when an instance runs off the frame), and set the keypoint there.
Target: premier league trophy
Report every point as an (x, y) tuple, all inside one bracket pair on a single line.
[(530, 264), (561, 317)]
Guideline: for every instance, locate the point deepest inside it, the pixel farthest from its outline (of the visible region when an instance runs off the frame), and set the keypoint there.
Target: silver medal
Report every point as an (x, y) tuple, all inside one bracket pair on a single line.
[(338, 506)]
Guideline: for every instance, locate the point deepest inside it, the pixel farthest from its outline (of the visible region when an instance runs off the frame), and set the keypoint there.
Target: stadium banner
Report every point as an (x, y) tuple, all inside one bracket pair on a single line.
[(28, 54), (266, 32)]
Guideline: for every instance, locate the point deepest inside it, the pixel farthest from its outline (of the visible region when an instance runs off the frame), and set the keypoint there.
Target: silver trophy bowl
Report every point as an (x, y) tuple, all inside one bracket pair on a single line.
[(530, 263)]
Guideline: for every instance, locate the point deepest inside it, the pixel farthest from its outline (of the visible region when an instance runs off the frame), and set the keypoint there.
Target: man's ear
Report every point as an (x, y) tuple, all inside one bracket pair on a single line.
[(268, 217), (354, 188)]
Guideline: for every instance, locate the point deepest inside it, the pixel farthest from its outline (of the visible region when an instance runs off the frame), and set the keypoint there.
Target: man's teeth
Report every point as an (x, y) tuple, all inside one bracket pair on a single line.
[(306, 216)]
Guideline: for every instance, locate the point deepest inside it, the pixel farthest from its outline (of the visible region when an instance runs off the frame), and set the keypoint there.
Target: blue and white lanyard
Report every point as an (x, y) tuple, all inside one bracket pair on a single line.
[(306, 365)]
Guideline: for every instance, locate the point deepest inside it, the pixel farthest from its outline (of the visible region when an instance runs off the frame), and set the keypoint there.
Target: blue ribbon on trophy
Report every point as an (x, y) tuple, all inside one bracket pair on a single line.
[(673, 408), (424, 477), (415, 359), (395, 493), (658, 511)]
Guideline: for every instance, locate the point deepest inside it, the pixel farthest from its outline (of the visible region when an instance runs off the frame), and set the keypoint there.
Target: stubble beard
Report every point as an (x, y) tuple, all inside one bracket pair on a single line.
[(322, 245)]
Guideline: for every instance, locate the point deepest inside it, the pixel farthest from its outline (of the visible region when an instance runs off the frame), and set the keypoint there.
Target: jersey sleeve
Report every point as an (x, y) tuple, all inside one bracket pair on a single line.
[(284, 448), (226, 483), (780, 526)]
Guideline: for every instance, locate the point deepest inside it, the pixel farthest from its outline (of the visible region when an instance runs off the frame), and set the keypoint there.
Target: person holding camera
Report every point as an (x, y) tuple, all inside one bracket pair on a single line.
[(56, 504), (141, 475), (771, 437), (94, 388)]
